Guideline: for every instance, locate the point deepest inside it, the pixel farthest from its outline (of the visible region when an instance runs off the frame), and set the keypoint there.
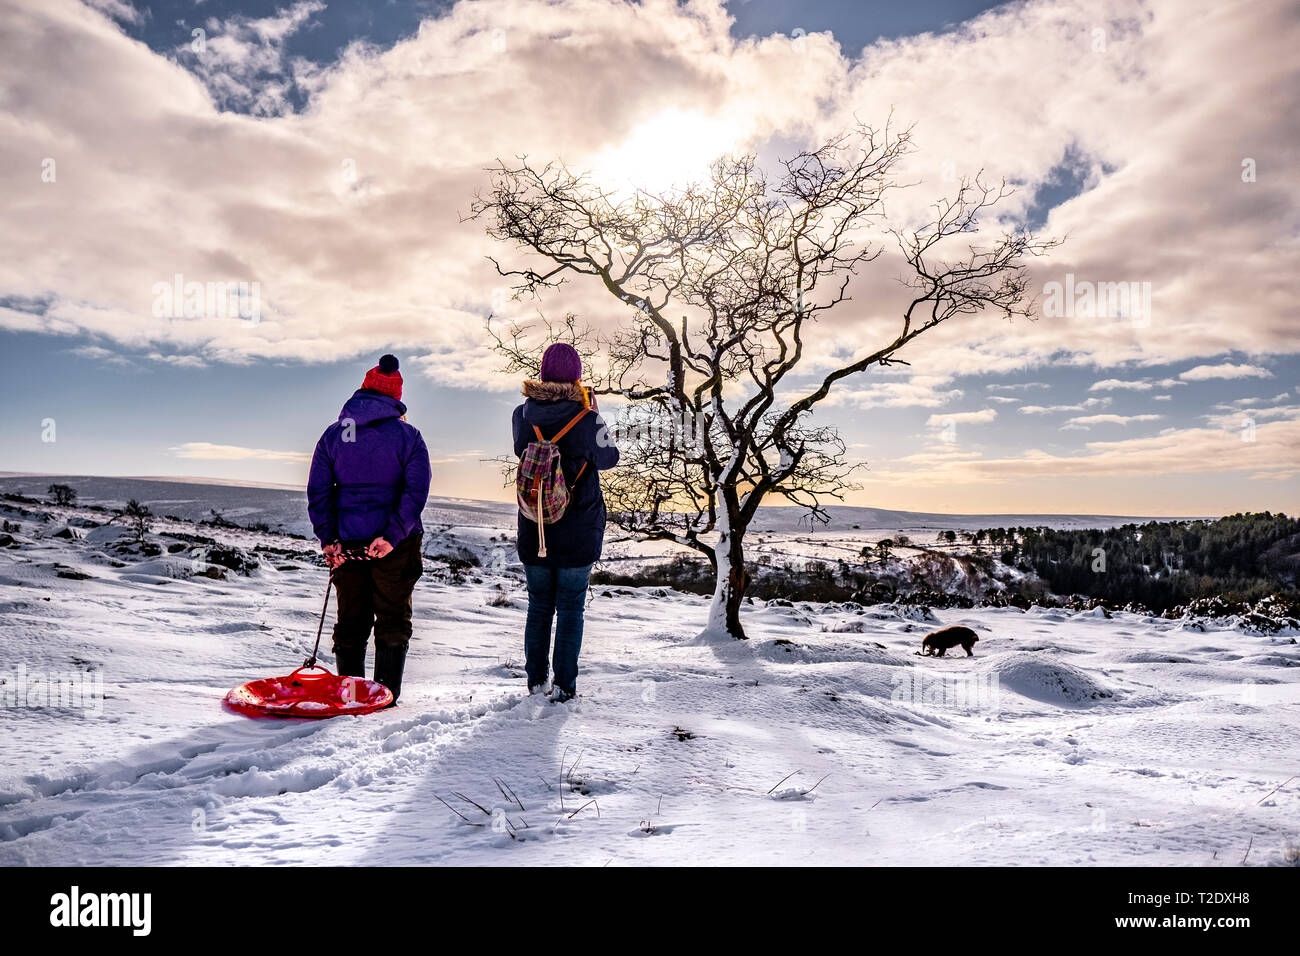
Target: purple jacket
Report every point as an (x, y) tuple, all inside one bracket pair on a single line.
[(370, 474)]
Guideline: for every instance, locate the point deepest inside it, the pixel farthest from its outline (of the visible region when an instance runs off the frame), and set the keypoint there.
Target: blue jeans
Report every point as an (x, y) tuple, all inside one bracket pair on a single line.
[(559, 593)]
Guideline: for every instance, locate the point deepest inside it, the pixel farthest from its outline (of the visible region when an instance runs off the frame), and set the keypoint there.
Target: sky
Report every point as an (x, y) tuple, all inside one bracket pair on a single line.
[(328, 152)]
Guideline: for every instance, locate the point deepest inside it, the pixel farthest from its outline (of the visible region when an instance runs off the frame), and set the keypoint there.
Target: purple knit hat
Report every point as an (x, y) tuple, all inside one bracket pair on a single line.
[(561, 363)]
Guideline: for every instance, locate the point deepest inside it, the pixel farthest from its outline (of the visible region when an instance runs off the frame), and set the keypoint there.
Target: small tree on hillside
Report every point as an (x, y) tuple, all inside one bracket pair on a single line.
[(139, 519), (64, 495), (722, 282)]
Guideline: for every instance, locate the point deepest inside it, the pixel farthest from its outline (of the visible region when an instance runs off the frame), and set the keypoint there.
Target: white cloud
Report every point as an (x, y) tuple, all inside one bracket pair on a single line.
[(1084, 422), (210, 452), (242, 61), (962, 418), (1132, 385), (118, 10), (1016, 387), (1271, 455), (350, 212), (1203, 373), (1050, 409)]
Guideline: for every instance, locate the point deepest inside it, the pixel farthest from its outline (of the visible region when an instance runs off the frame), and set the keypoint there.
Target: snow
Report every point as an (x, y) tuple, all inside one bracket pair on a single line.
[(1068, 739)]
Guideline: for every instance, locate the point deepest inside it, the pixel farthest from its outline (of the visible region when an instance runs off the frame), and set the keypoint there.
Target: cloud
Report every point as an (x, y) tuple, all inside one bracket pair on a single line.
[(1203, 373), (118, 10), (1245, 416), (1085, 422), (97, 353), (344, 194), (1050, 409), (210, 452), (456, 458), (1270, 452), (921, 391), (242, 60), (1015, 387), (180, 361), (1132, 385), (962, 418)]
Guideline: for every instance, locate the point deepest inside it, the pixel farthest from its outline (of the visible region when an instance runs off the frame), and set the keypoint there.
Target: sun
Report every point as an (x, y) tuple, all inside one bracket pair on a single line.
[(671, 149)]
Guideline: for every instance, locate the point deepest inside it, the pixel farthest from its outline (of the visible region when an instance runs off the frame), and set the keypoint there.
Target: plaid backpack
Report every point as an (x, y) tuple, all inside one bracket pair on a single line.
[(540, 488)]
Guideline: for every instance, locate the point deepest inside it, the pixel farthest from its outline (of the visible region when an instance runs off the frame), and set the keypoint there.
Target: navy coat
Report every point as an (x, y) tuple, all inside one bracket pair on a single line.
[(369, 475), (576, 539)]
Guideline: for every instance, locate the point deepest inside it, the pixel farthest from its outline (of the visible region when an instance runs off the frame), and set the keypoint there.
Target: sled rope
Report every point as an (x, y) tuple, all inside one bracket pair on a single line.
[(357, 555)]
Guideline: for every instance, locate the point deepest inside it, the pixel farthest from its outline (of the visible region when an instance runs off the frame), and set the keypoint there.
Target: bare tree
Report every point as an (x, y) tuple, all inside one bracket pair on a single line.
[(138, 518), (62, 494), (722, 281)]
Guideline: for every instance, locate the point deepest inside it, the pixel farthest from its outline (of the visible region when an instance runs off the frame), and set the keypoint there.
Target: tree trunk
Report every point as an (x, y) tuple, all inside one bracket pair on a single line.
[(732, 581)]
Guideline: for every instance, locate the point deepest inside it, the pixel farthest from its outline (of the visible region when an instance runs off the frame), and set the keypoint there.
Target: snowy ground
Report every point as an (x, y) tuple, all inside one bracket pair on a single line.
[(1067, 739)]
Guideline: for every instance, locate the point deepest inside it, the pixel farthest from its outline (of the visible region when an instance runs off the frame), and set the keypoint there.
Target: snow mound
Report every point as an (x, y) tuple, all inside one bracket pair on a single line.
[(105, 535), (902, 612), (1155, 657), (785, 651), (852, 625), (1049, 681)]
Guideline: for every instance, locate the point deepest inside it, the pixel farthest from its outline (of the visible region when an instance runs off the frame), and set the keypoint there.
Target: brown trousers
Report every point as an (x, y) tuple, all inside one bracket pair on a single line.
[(377, 594)]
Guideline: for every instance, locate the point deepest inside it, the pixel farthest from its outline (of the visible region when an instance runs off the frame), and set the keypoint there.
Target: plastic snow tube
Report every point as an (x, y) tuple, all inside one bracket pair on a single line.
[(303, 694)]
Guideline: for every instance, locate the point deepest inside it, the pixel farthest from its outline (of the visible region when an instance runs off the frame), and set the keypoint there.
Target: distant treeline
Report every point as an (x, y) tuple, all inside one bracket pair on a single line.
[(1160, 564)]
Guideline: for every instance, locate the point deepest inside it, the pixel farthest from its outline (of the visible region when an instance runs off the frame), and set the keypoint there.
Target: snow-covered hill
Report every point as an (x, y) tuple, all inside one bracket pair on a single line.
[(1067, 739), (287, 508)]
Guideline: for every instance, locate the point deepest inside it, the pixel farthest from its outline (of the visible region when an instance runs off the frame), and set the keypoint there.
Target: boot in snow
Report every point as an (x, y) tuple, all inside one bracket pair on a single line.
[(536, 689), (560, 695), (351, 661), (389, 663)]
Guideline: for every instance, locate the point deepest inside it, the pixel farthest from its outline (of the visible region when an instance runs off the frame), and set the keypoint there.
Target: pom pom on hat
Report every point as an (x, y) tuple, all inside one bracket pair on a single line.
[(385, 378)]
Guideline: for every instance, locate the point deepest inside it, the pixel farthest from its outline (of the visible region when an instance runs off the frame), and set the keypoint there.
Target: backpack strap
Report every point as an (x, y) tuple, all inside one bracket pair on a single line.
[(565, 430)]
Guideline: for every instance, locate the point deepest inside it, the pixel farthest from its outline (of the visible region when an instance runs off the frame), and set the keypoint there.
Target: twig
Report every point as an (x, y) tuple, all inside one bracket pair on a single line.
[(1247, 853), (461, 796), (451, 808), (1276, 789), (562, 756), (814, 786), (509, 794), (576, 761), (783, 780), (584, 807)]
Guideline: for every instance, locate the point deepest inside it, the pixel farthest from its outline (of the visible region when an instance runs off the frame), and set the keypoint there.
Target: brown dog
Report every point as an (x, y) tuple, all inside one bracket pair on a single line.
[(939, 641)]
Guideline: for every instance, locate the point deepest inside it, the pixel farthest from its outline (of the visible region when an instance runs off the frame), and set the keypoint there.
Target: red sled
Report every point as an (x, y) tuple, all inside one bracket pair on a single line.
[(314, 695)]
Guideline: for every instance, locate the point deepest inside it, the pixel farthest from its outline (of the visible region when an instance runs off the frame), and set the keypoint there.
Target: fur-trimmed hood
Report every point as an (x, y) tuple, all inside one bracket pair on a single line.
[(540, 391)]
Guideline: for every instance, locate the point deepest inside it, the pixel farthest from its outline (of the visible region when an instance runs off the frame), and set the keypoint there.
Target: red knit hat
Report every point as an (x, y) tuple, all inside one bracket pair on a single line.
[(385, 378)]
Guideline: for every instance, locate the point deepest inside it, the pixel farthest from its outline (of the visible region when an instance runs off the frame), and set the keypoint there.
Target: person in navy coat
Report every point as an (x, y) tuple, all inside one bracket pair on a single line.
[(368, 485), (557, 583)]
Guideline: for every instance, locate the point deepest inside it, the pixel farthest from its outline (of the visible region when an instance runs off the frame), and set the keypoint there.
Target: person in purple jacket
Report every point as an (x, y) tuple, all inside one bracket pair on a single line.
[(368, 485), (557, 583)]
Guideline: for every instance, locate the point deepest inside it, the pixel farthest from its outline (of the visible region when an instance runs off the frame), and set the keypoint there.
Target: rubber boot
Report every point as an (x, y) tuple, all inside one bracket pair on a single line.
[(351, 661), (389, 663)]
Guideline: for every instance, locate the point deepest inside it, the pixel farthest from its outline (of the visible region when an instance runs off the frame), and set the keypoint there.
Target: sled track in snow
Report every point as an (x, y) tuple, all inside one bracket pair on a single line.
[(237, 765)]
